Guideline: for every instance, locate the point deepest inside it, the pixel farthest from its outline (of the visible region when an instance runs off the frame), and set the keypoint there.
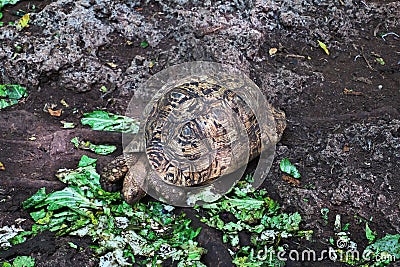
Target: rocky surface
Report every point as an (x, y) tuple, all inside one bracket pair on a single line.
[(346, 146)]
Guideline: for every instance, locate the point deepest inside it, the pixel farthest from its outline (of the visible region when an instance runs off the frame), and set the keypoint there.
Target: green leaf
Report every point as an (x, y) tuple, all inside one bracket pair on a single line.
[(6, 103), (67, 125), (35, 199), (289, 168), (20, 238), (255, 213), (37, 215), (103, 149), (75, 141), (23, 261), (72, 245), (10, 94), (12, 91), (98, 149), (144, 44), (23, 22), (369, 234), (380, 61), (86, 161), (103, 89), (71, 198), (323, 46), (103, 121)]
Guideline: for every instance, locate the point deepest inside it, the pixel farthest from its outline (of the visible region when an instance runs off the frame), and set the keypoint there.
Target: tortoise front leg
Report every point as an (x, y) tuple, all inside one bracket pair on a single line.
[(113, 174)]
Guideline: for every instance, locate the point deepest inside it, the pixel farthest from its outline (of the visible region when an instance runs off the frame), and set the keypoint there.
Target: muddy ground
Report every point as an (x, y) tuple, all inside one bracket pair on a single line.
[(345, 143)]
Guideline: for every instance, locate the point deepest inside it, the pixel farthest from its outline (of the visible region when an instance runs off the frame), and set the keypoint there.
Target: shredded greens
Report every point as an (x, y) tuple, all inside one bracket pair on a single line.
[(103, 121), (10, 94), (98, 149), (7, 233), (144, 233), (20, 261), (150, 233), (260, 216)]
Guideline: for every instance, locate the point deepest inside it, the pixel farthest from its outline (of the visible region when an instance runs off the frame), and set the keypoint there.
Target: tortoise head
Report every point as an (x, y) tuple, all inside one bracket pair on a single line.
[(137, 169), (122, 173)]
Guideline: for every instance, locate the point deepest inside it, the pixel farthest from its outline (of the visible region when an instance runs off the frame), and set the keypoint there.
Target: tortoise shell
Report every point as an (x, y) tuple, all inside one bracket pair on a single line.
[(193, 133), (201, 124)]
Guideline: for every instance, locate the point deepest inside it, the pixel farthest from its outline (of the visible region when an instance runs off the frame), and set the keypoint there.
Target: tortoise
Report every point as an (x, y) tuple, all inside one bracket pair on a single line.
[(190, 137)]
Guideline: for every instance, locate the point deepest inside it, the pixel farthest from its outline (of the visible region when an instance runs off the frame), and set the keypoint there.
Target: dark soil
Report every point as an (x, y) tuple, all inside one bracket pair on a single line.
[(346, 146)]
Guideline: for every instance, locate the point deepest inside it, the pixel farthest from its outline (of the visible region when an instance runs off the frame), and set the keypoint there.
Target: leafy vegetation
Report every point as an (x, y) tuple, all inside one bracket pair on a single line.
[(260, 216), (20, 261), (103, 121), (144, 233), (7, 2), (98, 149), (10, 94), (287, 167), (6, 234), (369, 234), (150, 233)]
